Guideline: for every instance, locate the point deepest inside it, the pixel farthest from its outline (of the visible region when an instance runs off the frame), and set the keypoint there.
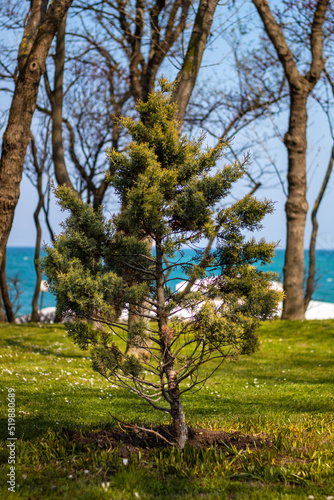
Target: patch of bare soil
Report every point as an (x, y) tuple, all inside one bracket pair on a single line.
[(130, 438)]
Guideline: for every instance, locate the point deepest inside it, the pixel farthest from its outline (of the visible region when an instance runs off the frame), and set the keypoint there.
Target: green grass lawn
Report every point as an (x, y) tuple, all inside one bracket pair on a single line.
[(285, 393)]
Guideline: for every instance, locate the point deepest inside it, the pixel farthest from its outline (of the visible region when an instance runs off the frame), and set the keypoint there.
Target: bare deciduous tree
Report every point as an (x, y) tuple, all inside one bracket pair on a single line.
[(301, 83), (40, 29)]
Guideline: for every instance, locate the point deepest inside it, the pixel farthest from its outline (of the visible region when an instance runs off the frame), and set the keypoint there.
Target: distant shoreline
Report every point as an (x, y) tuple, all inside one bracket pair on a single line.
[(316, 310), (20, 261)]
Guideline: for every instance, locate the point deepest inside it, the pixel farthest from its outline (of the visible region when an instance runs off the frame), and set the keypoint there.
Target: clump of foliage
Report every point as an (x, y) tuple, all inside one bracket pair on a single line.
[(171, 193)]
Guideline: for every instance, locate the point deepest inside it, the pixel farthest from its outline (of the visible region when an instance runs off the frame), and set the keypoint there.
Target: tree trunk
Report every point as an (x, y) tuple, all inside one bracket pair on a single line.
[(35, 314), (178, 416), (140, 352), (61, 173), (4, 292), (166, 335), (46, 211), (186, 79), (17, 134), (295, 141), (296, 208), (2, 313), (312, 256)]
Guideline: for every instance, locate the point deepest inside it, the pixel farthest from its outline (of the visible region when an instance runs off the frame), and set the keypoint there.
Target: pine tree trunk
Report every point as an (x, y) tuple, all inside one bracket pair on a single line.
[(140, 352), (178, 417), (165, 333), (296, 207)]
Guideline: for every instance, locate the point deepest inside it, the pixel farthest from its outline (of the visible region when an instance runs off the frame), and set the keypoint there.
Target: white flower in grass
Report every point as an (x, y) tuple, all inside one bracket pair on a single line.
[(105, 486), (125, 461), (86, 471)]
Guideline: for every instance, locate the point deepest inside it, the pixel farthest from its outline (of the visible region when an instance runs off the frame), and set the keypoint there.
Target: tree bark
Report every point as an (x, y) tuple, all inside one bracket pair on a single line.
[(46, 210), (35, 314), (4, 292), (17, 134), (2, 313), (187, 77), (296, 208), (296, 144), (161, 42), (39, 171), (37, 12), (61, 172)]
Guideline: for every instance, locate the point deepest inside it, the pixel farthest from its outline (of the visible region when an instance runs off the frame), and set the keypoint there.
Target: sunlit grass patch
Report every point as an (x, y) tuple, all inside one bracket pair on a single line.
[(284, 393)]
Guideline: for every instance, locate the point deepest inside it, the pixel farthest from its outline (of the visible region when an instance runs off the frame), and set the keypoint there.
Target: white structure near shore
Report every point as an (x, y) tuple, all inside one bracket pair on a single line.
[(315, 310), (320, 310)]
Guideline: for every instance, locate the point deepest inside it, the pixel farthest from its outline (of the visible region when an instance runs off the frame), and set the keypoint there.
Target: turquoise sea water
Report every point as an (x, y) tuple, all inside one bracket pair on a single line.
[(21, 261)]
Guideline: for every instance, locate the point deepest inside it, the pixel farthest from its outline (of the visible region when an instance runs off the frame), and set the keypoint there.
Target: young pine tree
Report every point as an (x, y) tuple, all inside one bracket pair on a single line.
[(171, 192)]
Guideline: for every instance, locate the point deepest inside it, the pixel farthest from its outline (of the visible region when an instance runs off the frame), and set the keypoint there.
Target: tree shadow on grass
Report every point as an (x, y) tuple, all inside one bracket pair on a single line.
[(41, 350), (210, 407), (68, 408), (290, 364)]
